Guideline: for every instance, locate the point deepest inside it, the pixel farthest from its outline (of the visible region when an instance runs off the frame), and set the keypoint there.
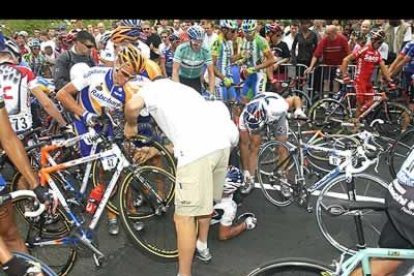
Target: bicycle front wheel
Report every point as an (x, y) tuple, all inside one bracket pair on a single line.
[(47, 271), (152, 231), (278, 168), (396, 117), (339, 230), (328, 113), (292, 267)]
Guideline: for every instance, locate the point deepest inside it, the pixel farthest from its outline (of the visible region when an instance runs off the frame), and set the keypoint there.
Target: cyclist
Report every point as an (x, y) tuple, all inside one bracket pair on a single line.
[(255, 53), (124, 35), (102, 87), (222, 53), (398, 230), (18, 83), (366, 58), (189, 59), (264, 109), (406, 59), (225, 209)]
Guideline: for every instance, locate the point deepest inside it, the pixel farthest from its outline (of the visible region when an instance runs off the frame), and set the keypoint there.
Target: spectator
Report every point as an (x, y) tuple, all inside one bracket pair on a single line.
[(210, 35), (51, 33), (184, 35), (319, 28), (167, 49), (163, 26), (176, 27), (333, 48), (304, 44), (398, 34), (290, 36), (21, 42), (335, 22), (36, 33), (43, 36), (101, 29), (153, 41), (378, 24), (35, 59), (80, 52), (90, 29)]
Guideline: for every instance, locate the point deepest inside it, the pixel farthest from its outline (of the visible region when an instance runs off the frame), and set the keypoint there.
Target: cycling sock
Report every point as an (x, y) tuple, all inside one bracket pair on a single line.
[(201, 245)]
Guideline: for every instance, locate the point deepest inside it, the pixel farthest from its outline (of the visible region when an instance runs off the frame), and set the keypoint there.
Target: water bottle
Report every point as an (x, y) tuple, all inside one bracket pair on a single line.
[(2, 182), (94, 199)]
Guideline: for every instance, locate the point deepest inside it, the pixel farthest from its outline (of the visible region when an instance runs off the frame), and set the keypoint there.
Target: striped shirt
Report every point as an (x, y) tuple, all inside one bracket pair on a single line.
[(191, 62), (223, 50)]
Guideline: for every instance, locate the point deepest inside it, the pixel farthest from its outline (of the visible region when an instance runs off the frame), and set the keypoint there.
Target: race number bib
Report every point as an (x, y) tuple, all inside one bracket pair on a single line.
[(21, 123), (108, 163)]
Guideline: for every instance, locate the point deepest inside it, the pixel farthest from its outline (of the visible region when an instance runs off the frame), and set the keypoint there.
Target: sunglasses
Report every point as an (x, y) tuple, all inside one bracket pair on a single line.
[(89, 46), (197, 42)]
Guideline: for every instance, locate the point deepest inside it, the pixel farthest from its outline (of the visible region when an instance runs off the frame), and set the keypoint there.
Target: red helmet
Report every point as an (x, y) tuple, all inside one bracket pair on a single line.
[(273, 28)]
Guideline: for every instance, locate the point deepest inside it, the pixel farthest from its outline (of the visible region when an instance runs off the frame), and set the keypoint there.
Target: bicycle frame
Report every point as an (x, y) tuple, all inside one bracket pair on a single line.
[(375, 103), (363, 256)]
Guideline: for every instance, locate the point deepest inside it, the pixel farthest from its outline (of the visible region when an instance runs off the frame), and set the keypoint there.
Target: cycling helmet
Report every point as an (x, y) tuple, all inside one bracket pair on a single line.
[(105, 38), (9, 46), (33, 43), (70, 37), (378, 35), (78, 70), (273, 28), (255, 115), (131, 57), (133, 23), (230, 24), (174, 38), (196, 32), (249, 25), (233, 181), (123, 33)]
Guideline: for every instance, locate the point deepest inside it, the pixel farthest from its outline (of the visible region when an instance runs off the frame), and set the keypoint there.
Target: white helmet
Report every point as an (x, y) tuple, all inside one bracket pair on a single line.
[(78, 70)]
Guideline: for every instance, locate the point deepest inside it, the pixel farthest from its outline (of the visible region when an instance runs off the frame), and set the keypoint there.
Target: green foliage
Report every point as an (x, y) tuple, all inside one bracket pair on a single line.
[(30, 25)]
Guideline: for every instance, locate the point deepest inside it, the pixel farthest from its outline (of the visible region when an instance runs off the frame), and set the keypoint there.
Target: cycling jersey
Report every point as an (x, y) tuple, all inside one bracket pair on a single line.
[(224, 211), (14, 89), (254, 52), (408, 50), (406, 174), (167, 53), (223, 50), (191, 62), (276, 111), (36, 64)]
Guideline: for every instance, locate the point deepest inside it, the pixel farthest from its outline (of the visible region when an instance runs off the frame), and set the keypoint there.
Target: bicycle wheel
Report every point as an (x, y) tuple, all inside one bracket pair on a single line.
[(396, 117), (319, 159), (47, 271), (292, 267), (328, 113), (273, 171), (158, 237), (42, 234), (164, 161), (340, 231), (400, 151)]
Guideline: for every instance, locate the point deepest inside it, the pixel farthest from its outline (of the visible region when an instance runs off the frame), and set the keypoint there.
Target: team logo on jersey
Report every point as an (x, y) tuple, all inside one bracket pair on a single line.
[(372, 58), (99, 87)]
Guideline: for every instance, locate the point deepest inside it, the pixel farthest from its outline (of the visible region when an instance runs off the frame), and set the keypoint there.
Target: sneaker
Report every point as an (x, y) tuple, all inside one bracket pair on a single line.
[(203, 255), (247, 188), (113, 227), (138, 226)]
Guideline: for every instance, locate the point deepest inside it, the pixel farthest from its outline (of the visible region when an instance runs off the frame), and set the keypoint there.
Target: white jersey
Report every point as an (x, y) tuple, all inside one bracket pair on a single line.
[(15, 82), (277, 107), (224, 211), (186, 119), (406, 174)]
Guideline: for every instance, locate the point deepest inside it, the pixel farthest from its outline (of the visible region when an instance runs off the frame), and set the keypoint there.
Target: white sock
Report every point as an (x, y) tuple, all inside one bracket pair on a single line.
[(201, 245)]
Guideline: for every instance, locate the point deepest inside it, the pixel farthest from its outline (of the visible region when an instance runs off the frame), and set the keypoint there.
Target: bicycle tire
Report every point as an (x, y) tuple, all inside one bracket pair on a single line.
[(306, 101), (293, 267), (393, 117), (269, 172), (163, 245), (345, 240), (399, 151), (103, 177), (328, 113)]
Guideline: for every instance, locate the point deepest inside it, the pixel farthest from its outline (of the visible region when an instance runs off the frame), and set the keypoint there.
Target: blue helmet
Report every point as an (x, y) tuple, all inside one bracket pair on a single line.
[(9, 46), (249, 25), (196, 32), (255, 115), (134, 23), (234, 180), (34, 43)]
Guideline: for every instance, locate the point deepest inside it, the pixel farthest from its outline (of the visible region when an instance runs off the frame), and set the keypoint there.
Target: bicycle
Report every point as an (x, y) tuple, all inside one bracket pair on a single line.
[(345, 266), (341, 109), (15, 196), (72, 227), (288, 173)]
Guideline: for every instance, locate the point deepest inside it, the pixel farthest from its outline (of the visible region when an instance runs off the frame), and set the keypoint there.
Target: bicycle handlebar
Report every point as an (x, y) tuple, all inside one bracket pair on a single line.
[(24, 194)]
